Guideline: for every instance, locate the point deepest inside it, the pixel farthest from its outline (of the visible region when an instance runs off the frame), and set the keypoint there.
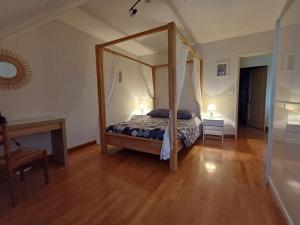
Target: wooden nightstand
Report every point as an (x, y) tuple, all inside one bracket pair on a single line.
[(213, 126)]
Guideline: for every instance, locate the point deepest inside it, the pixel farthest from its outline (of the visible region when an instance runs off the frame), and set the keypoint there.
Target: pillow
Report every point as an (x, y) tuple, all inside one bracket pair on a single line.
[(159, 113), (183, 114)]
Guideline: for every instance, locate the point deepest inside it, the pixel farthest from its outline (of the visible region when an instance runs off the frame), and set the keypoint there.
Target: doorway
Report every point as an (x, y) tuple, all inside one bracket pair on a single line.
[(252, 97)]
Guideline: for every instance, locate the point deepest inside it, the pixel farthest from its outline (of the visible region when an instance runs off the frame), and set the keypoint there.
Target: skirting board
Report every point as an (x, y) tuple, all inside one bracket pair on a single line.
[(79, 147), (279, 202), (229, 136)]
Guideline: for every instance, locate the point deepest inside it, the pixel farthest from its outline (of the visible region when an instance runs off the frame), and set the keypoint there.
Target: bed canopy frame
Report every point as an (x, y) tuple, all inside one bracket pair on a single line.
[(137, 143)]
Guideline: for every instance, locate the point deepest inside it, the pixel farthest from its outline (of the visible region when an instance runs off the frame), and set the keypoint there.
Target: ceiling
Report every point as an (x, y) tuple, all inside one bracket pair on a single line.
[(201, 21), (19, 15)]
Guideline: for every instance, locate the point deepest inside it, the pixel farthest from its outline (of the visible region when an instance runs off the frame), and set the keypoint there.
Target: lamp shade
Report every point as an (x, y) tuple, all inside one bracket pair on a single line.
[(211, 107)]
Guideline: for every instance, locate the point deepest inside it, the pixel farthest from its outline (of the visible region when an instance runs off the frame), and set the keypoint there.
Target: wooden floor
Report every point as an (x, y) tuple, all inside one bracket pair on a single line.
[(215, 185)]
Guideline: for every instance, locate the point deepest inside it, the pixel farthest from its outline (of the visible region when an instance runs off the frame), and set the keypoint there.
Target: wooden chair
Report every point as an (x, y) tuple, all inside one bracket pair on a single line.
[(18, 160)]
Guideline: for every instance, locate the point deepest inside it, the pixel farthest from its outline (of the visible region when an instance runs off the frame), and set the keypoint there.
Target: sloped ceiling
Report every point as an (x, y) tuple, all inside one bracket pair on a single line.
[(215, 20), (19, 15), (201, 21)]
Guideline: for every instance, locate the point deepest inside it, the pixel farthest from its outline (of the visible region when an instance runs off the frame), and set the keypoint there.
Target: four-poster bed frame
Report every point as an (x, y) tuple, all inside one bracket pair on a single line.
[(137, 143)]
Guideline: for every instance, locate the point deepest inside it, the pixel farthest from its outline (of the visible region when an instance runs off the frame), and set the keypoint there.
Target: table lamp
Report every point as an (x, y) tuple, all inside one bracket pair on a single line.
[(142, 108), (211, 108)]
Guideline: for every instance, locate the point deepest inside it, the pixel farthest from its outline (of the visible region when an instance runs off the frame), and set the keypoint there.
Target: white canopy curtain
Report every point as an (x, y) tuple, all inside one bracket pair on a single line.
[(196, 78), (181, 57), (112, 66), (148, 79)]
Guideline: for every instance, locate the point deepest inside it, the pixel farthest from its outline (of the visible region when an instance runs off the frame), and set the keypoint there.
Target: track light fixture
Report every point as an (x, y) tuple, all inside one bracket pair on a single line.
[(133, 10)]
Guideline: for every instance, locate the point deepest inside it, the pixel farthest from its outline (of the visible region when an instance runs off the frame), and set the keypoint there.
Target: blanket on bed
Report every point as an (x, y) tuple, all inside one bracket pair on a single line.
[(188, 131)]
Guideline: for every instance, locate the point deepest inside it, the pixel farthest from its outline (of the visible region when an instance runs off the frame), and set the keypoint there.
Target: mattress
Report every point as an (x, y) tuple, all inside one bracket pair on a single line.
[(188, 131)]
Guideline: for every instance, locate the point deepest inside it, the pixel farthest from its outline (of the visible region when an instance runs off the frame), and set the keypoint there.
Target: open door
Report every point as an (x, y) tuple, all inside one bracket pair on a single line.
[(257, 97)]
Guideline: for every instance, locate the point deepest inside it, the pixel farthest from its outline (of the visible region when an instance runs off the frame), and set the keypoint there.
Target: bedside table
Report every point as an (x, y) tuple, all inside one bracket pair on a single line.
[(213, 126)]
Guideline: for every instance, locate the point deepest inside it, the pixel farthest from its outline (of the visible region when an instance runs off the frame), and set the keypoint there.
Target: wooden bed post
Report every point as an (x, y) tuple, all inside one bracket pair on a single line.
[(201, 75), (172, 93), (154, 89), (101, 98)]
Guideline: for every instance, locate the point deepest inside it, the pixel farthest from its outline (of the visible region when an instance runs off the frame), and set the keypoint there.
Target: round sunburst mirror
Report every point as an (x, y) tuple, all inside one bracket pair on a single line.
[(15, 71)]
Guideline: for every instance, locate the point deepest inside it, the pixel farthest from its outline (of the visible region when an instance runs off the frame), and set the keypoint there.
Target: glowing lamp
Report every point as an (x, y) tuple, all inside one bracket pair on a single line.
[(211, 109), (142, 108)]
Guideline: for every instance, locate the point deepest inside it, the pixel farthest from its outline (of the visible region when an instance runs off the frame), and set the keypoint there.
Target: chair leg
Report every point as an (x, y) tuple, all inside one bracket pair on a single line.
[(46, 168), (12, 187), (22, 174)]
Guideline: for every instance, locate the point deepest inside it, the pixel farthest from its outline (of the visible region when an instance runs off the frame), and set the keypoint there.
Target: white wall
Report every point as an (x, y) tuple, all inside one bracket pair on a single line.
[(223, 91), (128, 94), (162, 87), (259, 60), (63, 83), (187, 100)]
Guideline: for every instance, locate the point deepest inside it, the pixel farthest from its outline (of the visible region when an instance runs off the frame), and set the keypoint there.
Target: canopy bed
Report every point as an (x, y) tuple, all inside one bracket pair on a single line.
[(168, 143)]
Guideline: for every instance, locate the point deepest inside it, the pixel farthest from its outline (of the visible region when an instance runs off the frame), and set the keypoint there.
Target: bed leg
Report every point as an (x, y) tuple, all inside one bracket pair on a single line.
[(173, 161), (103, 147)]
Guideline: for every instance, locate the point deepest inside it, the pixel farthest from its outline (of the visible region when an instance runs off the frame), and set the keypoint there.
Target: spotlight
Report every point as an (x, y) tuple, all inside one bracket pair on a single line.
[(132, 12)]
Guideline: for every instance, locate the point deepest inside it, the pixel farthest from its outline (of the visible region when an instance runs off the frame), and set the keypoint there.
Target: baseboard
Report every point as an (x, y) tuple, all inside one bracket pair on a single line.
[(79, 147), (229, 136), (279, 202)]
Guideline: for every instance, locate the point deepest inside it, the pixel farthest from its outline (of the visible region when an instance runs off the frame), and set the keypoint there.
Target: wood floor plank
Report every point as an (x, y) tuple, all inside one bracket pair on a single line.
[(216, 184)]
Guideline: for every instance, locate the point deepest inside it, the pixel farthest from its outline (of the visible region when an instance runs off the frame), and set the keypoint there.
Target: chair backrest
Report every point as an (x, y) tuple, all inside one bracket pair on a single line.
[(4, 141)]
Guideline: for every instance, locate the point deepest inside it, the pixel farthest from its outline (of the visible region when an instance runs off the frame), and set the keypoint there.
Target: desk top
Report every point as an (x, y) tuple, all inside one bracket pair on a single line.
[(55, 125), (33, 121)]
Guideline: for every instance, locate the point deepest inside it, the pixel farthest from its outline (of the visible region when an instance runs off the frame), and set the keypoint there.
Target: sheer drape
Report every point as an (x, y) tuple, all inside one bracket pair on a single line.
[(148, 79), (181, 57), (197, 84), (112, 67)]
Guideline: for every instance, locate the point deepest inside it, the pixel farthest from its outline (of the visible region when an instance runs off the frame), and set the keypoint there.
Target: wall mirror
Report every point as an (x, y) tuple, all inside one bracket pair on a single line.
[(15, 71)]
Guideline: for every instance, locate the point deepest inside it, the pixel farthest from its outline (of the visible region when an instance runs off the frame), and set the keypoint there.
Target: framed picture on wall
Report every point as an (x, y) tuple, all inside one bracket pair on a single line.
[(222, 69), (120, 77)]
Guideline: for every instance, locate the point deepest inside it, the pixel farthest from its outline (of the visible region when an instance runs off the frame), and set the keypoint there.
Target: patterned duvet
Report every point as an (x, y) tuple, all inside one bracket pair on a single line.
[(188, 131)]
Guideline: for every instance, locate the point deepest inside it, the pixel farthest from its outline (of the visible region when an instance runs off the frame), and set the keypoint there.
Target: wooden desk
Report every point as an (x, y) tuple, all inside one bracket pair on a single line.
[(57, 128)]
